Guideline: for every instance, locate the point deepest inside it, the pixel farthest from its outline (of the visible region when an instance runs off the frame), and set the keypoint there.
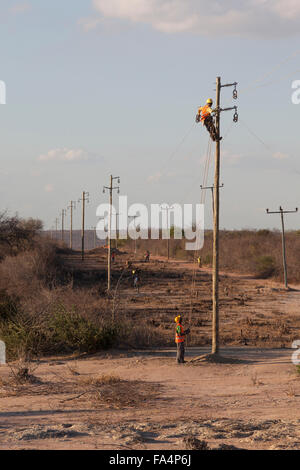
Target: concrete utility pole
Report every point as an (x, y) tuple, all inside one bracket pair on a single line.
[(110, 188), (167, 208), (212, 193), (216, 214), (133, 217), (63, 215), (84, 200), (281, 212), (71, 207)]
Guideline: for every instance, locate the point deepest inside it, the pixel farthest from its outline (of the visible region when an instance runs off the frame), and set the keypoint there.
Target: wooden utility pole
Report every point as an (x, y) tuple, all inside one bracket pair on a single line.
[(117, 228), (110, 188), (63, 215), (84, 200), (216, 214), (133, 217), (167, 208), (71, 207), (95, 237), (56, 227), (282, 212)]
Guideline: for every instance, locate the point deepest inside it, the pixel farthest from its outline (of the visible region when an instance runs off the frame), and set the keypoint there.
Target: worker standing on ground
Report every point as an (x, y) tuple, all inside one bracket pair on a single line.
[(136, 279), (204, 115), (199, 262), (179, 339), (147, 256)]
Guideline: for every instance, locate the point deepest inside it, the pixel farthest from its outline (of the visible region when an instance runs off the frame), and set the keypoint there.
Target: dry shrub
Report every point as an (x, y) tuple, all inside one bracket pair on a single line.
[(192, 443), (119, 393), (140, 334), (22, 371)]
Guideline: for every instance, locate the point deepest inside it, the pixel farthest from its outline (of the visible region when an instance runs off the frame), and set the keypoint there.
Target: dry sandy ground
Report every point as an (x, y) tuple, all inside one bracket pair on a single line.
[(251, 404)]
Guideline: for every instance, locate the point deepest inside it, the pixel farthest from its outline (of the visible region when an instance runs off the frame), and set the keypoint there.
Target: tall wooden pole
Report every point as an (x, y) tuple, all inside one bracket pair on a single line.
[(109, 235), (282, 212), (83, 222), (283, 250), (63, 225), (71, 224), (215, 280)]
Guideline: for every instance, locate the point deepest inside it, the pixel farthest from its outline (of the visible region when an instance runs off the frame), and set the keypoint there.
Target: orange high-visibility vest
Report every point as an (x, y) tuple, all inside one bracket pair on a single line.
[(179, 338), (205, 111)]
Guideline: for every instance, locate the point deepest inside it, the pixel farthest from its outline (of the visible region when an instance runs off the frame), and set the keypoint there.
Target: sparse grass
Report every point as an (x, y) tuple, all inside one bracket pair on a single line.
[(101, 380)]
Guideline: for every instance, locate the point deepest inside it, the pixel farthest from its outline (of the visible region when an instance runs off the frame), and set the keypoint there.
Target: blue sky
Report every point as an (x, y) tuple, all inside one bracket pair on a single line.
[(98, 87)]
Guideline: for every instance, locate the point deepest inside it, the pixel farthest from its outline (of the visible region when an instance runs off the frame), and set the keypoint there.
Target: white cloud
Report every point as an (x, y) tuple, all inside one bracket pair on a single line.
[(20, 8), (280, 156), (65, 154), (264, 18)]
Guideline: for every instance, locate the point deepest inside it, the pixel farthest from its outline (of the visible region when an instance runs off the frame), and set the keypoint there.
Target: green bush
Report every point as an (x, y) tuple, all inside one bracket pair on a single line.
[(55, 332), (265, 266), (72, 332)]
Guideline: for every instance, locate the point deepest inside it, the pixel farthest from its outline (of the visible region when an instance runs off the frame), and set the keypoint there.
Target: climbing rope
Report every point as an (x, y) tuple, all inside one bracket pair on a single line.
[(197, 252)]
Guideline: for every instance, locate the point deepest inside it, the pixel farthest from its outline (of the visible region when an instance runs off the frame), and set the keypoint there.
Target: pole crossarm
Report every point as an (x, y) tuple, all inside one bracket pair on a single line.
[(229, 84), (281, 211), (211, 187), (228, 109)]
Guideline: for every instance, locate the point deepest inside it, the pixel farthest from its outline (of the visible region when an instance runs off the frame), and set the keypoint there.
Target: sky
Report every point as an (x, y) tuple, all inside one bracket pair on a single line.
[(97, 87)]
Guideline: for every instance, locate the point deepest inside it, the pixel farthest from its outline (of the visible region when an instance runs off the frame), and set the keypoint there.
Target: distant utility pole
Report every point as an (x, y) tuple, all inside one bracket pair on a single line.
[(95, 237), (212, 193), (216, 214), (117, 228), (281, 212), (72, 206), (63, 215), (167, 208), (133, 217), (56, 227), (84, 200), (110, 188)]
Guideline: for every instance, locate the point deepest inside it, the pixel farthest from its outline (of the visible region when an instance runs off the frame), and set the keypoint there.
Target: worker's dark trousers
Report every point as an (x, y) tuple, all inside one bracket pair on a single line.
[(209, 124), (180, 353)]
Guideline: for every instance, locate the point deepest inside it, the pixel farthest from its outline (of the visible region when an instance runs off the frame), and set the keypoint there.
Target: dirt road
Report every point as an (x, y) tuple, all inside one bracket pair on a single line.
[(250, 404)]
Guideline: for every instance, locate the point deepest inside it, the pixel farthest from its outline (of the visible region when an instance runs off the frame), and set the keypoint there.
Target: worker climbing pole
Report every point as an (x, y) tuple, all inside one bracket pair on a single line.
[(210, 118)]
